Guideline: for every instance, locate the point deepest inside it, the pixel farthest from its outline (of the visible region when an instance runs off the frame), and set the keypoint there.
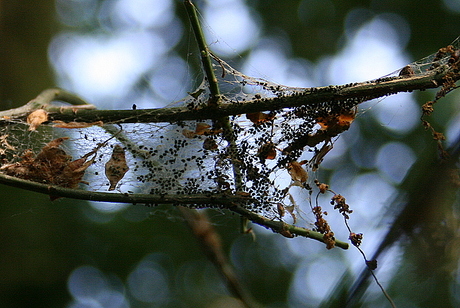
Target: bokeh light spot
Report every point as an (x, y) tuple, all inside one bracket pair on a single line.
[(148, 283), (240, 36), (394, 159)]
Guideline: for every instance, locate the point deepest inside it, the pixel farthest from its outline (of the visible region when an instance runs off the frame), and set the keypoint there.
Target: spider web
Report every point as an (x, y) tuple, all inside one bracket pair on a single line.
[(272, 151)]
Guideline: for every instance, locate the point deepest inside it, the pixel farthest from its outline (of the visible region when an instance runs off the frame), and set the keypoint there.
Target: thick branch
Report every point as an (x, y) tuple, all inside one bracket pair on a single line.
[(359, 92)]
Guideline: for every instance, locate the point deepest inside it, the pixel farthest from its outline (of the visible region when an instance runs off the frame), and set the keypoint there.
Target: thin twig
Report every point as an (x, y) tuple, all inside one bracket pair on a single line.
[(204, 52), (281, 227), (215, 100), (233, 203), (370, 267)]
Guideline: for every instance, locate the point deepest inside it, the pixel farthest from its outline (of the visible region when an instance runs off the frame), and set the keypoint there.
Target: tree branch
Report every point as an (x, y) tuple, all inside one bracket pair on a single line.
[(230, 202), (43, 100), (216, 99), (211, 244), (204, 52), (317, 96)]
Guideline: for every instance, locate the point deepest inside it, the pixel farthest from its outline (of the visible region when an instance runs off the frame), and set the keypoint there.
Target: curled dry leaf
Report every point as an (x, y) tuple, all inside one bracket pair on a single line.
[(188, 133), (51, 166), (62, 124), (286, 233), (36, 118), (73, 172), (267, 151), (210, 144), (259, 117), (337, 123), (297, 173), (206, 130), (202, 128), (280, 209), (319, 155), (116, 167), (290, 209), (5, 145)]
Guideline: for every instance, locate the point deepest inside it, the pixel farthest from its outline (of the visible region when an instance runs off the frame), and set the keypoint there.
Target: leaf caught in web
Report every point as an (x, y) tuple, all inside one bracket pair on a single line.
[(116, 167), (52, 165), (36, 118)]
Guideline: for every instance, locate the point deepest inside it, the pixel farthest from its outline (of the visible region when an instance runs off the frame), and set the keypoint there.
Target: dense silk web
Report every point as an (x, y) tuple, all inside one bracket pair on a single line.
[(259, 154)]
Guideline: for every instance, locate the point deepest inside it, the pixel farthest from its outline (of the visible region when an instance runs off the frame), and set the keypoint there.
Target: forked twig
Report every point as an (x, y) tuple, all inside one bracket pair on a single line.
[(215, 99)]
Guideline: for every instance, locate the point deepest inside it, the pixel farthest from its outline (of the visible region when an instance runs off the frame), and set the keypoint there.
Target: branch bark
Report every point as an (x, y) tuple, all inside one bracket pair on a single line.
[(234, 203), (316, 96)]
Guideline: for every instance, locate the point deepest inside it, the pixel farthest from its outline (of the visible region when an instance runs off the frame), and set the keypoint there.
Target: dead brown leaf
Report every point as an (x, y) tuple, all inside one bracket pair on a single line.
[(36, 118)]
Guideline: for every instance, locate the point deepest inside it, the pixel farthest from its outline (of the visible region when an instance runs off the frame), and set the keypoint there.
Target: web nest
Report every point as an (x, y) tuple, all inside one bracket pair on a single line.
[(260, 154)]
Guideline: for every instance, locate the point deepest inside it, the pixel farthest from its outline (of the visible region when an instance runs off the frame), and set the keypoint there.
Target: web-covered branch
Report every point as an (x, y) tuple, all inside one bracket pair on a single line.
[(244, 144), (192, 108)]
